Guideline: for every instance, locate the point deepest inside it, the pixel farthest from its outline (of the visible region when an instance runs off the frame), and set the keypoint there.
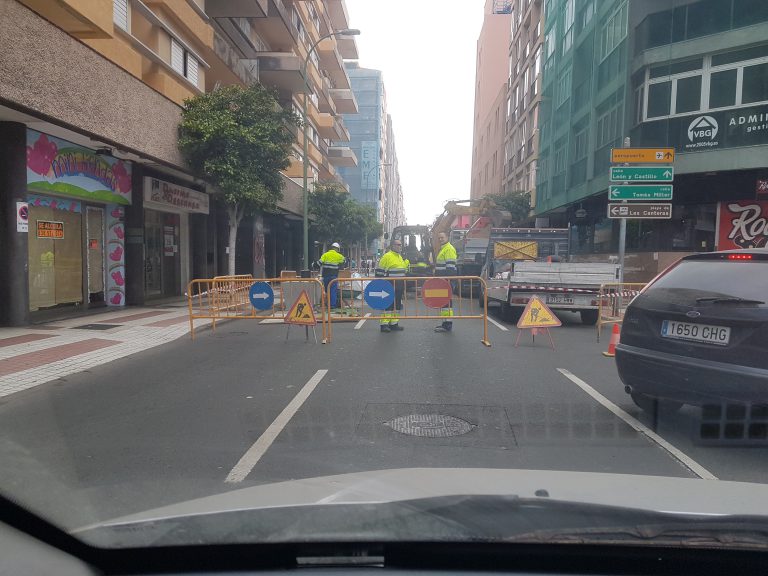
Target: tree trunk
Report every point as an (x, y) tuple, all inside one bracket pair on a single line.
[(234, 214)]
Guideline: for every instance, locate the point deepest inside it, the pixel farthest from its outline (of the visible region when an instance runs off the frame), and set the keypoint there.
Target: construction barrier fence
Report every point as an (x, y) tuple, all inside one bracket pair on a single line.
[(423, 298), (228, 297), (613, 300)]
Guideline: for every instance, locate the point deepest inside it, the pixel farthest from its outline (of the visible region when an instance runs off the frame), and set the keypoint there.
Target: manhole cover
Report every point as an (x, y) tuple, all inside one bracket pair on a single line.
[(430, 425), (97, 326)]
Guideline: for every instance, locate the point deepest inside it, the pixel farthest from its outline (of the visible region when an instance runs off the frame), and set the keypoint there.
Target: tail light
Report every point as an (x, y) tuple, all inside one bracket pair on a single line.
[(740, 257)]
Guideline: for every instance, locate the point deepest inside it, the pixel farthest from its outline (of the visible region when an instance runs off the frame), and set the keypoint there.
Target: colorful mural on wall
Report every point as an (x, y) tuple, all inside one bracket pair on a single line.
[(55, 166), (115, 255)]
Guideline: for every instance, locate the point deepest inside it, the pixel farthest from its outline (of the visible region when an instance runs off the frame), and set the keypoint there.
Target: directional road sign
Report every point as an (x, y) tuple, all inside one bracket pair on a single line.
[(261, 296), (642, 173), (660, 211), (436, 293), (379, 294), (640, 192), (642, 155)]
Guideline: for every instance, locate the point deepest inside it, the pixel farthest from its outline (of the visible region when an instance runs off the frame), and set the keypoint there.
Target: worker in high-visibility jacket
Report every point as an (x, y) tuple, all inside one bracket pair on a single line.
[(391, 265), (330, 263), (445, 265)]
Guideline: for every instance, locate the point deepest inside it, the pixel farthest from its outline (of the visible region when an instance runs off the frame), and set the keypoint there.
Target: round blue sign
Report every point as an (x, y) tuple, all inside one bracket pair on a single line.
[(379, 294), (261, 296)]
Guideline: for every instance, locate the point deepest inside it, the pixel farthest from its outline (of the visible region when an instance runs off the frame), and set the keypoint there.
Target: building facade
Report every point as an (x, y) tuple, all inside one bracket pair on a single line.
[(97, 207), (521, 140), (685, 74), (375, 181), (490, 109)]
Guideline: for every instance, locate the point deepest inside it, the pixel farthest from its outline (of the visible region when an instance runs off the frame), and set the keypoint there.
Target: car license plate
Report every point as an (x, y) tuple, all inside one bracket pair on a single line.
[(719, 335), (559, 299)]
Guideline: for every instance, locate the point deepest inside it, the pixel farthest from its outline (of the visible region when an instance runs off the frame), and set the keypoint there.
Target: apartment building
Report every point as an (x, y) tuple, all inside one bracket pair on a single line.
[(96, 205), (376, 180), (490, 109), (524, 97), (683, 74)]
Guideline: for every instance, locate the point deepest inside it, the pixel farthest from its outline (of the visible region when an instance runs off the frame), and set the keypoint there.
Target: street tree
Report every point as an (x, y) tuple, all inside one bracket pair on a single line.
[(237, 138), (517, 203), (337, 217)]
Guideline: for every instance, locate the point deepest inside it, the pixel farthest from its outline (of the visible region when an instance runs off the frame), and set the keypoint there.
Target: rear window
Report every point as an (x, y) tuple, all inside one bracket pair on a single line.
[(716, 278)]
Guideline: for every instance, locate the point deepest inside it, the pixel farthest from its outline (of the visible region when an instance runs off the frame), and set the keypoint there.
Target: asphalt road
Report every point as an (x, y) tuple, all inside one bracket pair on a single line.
[(243, 406)]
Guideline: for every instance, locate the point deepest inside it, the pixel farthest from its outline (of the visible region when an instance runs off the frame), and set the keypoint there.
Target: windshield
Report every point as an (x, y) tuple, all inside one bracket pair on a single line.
[(319, 270)]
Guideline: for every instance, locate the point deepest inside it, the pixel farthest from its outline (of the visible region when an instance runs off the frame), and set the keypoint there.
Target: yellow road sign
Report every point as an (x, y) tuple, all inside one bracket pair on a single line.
[(301, 312), (537, 315), (519, 250), (643, 155)]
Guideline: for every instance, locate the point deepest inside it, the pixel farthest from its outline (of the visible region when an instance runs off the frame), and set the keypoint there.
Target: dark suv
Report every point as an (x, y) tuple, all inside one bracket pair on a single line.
[(698, 333)]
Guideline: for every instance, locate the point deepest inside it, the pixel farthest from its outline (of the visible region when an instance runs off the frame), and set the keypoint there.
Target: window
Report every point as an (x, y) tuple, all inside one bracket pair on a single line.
[(177, 56), (613, 31), (586, 12), (580, 140), (183, 62), (755, 84), (120, 14), (549, 44), (313, 16), (296, 19), (688, 97), (563, 88), (568, 25), (560, 158), (659, 96), (609, 126), (722, 89)]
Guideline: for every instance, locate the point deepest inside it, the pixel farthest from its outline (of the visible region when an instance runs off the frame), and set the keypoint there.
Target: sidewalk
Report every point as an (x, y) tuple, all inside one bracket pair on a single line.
[(33, 355)]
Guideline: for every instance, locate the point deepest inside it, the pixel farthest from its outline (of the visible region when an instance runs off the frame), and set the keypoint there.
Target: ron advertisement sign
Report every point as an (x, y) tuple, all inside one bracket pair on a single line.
[(743, 224), (701, 132)]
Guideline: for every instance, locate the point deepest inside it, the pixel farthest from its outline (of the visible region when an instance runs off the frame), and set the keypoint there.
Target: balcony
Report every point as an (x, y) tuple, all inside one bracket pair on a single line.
[(84, 20), (276, 28), (237, 8), (342, 156), (281, 70), (345, 100), (337, 13)]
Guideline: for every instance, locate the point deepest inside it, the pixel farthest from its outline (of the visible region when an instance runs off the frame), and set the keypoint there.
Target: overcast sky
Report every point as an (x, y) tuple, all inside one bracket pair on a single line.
[(426, 50)]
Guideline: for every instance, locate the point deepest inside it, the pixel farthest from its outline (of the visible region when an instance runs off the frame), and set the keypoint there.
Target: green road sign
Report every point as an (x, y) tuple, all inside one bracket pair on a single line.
[(640, 192), (642, 174)]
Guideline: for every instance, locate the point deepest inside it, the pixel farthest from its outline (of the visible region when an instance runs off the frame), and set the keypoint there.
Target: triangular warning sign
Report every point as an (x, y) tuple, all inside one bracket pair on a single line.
[(301, 312), (537, 315)]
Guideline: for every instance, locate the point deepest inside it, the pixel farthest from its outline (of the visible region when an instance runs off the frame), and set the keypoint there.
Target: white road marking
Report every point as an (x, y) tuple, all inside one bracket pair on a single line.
[(499, 326), (260, 447), (686, 460), (273, 321), (361, 322)]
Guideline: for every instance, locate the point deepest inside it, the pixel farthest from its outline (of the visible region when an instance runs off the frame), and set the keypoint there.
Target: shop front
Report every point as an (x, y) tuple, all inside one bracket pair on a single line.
[(74, 220), (167, 209)]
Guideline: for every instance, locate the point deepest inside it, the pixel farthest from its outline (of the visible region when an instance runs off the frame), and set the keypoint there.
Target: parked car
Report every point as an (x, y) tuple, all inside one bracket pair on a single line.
[(698, 333)]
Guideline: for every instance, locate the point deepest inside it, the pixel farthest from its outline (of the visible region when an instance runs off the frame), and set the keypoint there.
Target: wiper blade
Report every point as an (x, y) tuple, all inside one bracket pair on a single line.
[(728, 300)]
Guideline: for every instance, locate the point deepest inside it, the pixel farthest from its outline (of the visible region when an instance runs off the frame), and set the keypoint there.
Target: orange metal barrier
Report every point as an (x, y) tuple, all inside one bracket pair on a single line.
[(227, 297), (351, 294), (613, 301)]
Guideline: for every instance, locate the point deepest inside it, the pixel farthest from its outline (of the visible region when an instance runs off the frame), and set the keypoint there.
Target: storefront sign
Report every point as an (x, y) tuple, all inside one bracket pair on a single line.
[(22, 217), (743, 224), (50, 229), (713, 130), (164, 195), (55, 166)]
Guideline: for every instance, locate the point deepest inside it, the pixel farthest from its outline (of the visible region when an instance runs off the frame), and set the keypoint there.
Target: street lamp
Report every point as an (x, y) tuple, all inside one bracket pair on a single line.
[(344, 32)]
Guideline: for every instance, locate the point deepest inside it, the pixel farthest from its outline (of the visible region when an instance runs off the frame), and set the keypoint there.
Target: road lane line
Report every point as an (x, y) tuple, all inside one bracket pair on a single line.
[(259, 448), (499, 326), (361, 322), (638, 426)]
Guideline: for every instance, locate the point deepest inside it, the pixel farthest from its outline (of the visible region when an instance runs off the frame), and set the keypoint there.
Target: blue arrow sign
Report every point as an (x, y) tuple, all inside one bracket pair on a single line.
[(261, 296), (379, 294)]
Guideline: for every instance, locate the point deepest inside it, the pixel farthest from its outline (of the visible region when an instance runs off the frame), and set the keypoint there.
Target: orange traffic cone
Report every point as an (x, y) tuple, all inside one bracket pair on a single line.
[(612, 344)]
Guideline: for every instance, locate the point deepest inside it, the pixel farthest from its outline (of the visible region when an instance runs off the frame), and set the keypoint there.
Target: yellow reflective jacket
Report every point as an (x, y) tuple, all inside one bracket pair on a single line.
[(446, 261), (391, 265)]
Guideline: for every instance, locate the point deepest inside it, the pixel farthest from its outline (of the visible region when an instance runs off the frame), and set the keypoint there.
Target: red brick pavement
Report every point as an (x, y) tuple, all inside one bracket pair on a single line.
[(23, 339), (53, 354)]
